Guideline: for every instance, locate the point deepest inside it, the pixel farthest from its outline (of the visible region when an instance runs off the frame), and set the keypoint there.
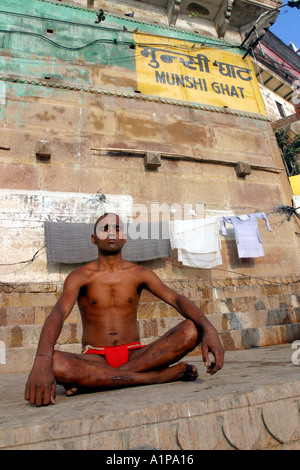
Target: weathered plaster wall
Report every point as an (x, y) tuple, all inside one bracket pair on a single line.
[(82, 99), (76, 122), (22, 217)]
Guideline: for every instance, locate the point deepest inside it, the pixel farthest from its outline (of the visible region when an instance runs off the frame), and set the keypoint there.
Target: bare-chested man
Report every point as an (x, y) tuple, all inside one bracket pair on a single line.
[(108, 291)]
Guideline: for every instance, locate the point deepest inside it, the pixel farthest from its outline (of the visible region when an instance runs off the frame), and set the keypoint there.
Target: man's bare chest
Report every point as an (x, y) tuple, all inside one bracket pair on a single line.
[(110, 293)]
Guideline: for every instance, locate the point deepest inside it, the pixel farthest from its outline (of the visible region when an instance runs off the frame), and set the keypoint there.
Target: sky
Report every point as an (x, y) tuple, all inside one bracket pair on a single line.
[(287, 26)]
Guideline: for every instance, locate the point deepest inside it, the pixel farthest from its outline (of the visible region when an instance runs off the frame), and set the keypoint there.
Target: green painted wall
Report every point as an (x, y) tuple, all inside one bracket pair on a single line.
[(25, 31)]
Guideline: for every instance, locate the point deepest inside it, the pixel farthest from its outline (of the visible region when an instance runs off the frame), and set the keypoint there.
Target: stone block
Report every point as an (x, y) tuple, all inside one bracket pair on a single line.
[(19, 176), (154, 436), (240, 140), (17, 316), (242, 169), (152, 160), (43, 150), (16, 337), (155, 310), (71, 333), (254, 193), (202, 433), (282, 420), (243, 429), (31, 299), (41, 314)]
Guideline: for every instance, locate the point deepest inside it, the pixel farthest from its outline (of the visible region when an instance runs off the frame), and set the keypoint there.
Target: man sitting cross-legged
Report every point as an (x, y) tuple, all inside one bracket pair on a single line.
[(107, 291)]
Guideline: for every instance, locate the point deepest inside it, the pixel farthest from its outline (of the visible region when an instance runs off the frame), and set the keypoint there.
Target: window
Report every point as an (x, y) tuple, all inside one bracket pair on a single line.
[(280, 109), (196, 9)]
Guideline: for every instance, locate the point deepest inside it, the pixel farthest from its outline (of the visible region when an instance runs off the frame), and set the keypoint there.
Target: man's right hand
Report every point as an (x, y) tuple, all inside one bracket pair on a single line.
[(41, 385)]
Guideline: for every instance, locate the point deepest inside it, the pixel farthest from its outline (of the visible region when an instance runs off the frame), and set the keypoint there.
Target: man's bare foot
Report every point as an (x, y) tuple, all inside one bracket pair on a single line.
[(191, 372), (181, 371), (71, 392), (178, 372)]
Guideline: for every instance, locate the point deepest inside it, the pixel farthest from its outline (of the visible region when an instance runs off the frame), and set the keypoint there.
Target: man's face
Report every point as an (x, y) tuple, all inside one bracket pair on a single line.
[(109, 236)]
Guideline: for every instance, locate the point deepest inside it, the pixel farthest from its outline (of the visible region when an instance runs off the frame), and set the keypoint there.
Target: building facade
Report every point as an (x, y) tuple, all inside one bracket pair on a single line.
[(277, 68), (151, 110)]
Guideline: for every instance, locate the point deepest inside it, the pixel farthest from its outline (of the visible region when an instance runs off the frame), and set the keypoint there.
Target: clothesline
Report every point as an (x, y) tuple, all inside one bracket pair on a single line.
[(214, 259), (198, 241)]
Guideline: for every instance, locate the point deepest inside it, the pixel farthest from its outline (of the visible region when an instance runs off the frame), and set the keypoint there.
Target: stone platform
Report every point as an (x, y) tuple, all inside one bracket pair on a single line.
[(252, 403)]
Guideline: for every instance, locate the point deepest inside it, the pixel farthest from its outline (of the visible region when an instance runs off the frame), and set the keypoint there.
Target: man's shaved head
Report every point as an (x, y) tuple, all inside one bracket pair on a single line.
[(117, 219)]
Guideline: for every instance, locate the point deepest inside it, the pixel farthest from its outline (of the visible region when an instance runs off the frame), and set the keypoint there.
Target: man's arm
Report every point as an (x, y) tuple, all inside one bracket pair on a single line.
[(41, 385), (210, 341)]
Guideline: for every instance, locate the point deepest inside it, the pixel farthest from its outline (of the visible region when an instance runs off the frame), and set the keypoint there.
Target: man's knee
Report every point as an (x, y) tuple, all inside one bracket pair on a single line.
[(191, 333), (57, 361), (61, 363)]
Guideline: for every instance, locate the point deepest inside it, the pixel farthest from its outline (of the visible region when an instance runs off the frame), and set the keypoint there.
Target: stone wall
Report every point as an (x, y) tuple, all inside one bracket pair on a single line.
[(247, 312), (22, 217), (199, 151), (75, 106)]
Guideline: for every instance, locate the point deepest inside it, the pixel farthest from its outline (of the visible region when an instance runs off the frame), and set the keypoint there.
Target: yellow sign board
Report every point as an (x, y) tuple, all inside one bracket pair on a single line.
[(204, 74), (295, 184)]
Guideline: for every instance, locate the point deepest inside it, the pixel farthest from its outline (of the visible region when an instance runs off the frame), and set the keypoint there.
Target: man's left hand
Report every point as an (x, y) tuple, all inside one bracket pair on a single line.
[(211, 344)]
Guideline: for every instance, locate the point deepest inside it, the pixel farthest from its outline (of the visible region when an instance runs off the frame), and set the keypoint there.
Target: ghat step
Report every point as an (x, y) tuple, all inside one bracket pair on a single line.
[(245, 316), (251, 404)]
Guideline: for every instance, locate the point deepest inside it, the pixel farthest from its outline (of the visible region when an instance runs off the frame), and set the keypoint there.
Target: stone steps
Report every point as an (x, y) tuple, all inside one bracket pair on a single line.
[(19, 357), (28, 334), (245, 316)]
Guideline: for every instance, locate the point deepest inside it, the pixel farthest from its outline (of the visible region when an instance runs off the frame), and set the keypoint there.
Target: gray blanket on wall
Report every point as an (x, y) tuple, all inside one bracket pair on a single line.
[(70, 243)]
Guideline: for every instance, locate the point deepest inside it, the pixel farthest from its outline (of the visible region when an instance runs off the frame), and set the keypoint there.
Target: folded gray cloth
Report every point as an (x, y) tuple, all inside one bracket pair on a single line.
[(147, 241), (70, 243)]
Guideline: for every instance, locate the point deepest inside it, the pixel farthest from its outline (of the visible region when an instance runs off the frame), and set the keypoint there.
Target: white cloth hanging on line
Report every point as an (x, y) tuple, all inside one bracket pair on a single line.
[(197, 241), (200, 260), (247, 236)]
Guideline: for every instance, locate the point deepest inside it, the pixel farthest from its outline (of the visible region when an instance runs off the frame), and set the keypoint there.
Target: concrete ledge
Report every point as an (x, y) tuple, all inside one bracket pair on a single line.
[(253, 403)]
